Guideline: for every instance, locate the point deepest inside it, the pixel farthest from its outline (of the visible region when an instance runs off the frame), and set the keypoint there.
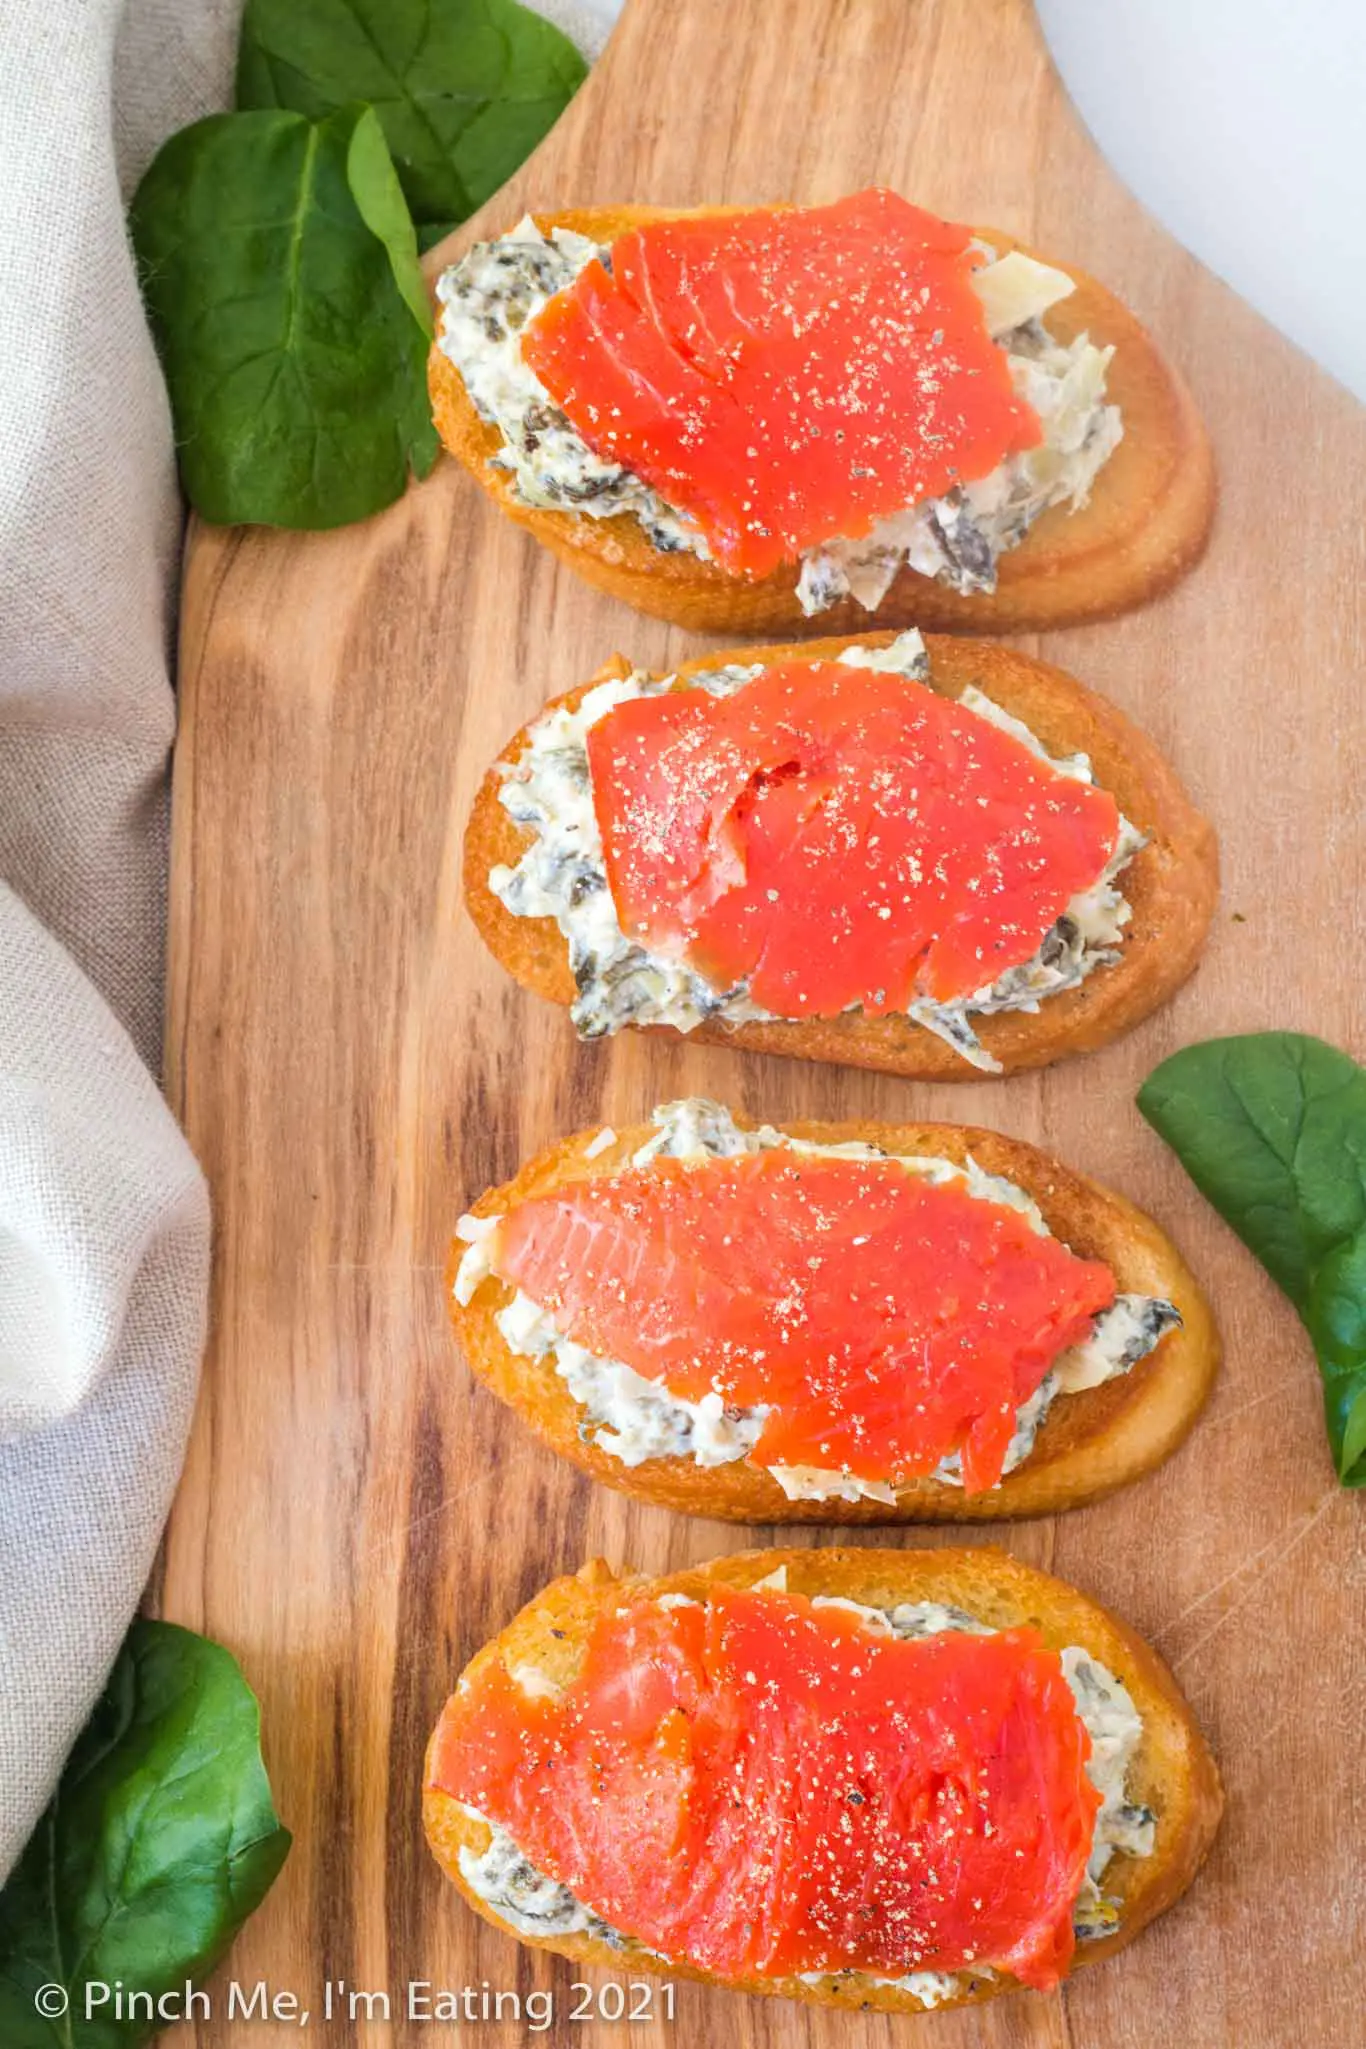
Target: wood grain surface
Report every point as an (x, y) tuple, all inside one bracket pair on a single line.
[(356, 1516)]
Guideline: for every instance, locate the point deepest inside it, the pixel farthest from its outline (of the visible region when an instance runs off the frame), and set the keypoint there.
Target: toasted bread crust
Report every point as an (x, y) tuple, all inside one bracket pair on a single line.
[(1173, 884), (1146, 524), (1091, 1442), (1173, 1772)]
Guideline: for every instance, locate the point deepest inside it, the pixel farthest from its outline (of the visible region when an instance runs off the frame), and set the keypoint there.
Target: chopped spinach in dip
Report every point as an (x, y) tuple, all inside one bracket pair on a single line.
[(490, 295), (634, 1419), (548, 792), (534, 1904)]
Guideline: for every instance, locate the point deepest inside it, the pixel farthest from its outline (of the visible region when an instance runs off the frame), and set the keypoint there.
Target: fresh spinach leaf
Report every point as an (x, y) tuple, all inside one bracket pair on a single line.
[(1335, 1314), (380, 203), (281, 274), (465, 89), (160, 1841), (1271, 1127)]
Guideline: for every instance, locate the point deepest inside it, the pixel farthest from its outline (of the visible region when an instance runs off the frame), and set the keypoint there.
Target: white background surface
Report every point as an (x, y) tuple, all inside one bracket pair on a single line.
[(1242, 125)]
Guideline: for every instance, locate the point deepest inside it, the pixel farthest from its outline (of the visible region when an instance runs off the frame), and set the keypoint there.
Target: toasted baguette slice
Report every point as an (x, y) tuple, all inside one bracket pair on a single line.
[(1173, 884), (1173, 1771), (1146, 523), (1090, 1443)]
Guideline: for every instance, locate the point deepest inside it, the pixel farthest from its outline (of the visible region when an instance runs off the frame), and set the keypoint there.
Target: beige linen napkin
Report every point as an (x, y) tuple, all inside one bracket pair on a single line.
[(104, 1224)]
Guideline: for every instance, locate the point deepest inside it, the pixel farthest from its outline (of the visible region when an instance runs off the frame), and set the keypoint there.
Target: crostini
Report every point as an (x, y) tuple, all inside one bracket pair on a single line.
[(831, 1323), (797, 419), (935, 858), (896, 1780)]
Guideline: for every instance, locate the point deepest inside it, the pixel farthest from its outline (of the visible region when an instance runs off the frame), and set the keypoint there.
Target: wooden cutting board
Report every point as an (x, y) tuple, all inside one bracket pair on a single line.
[(355, 1516)]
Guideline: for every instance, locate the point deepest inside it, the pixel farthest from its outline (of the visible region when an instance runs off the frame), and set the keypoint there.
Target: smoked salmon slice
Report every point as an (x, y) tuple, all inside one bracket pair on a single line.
[(785, 375), (837, 836), (882, 1320), (760, 1786)]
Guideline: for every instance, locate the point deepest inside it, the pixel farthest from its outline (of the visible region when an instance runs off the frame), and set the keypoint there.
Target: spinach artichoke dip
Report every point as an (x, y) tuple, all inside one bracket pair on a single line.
[(634, 1419), (547, 791), (490, 296), (536, 1905)]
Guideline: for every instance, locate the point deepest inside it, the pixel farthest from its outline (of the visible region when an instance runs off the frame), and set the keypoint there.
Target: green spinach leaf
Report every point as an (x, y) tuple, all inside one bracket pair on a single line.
[(1271, 1127), (281, 274), (465, 88), (160, 1841), (381, 205)]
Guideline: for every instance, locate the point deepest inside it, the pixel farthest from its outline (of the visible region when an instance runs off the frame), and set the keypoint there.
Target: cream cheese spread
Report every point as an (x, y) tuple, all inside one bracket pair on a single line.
[(548, 791), (488, 298), (634, 1419)]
